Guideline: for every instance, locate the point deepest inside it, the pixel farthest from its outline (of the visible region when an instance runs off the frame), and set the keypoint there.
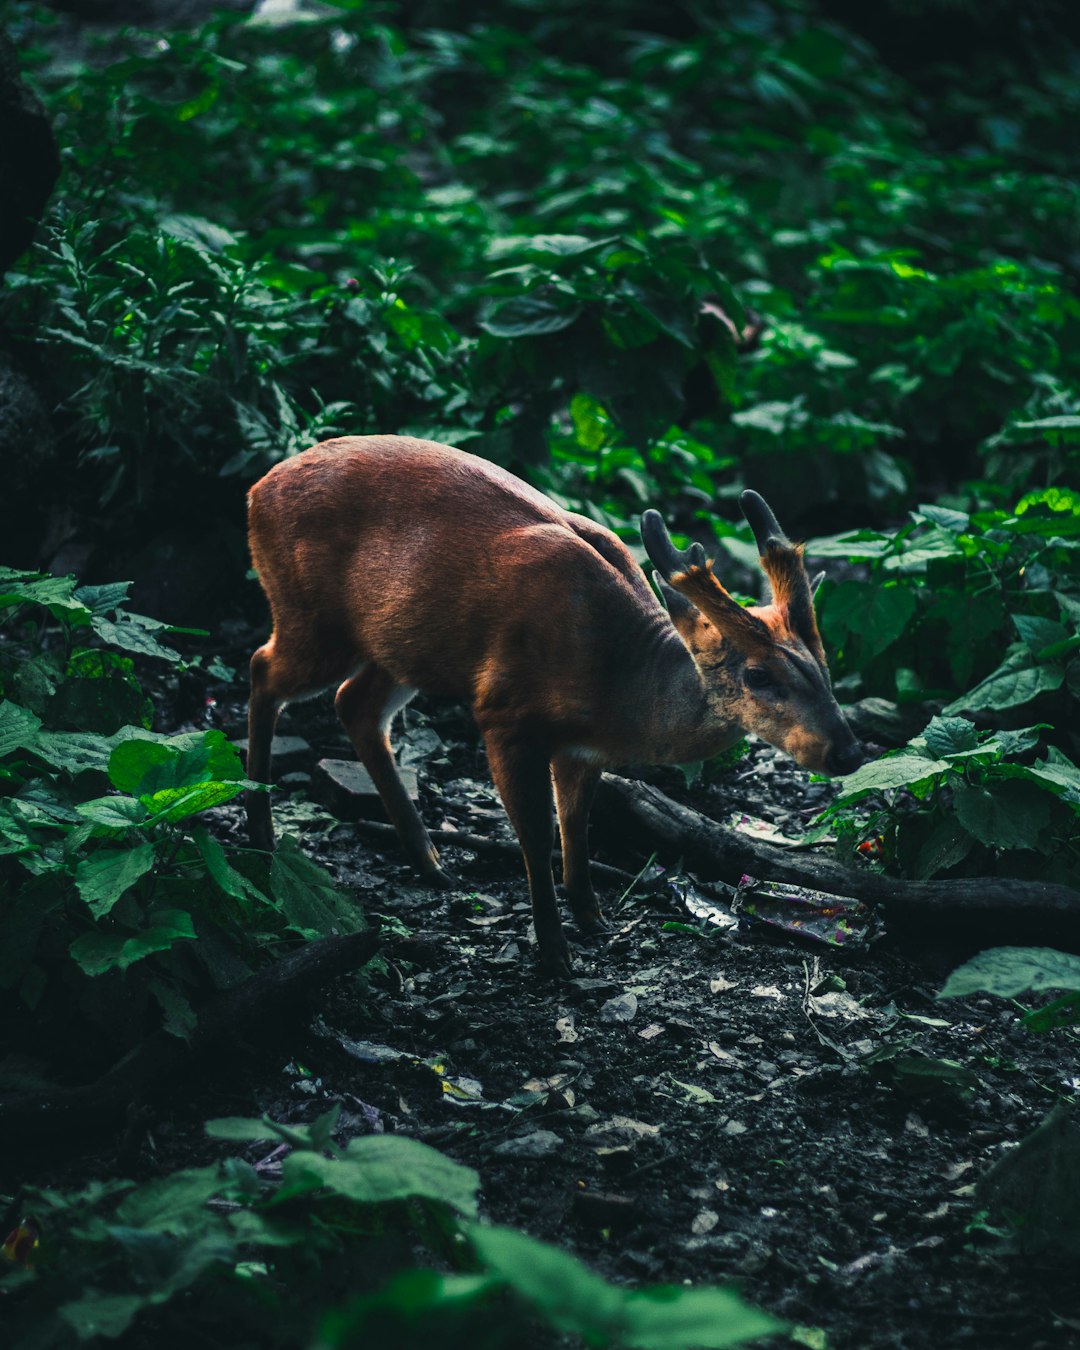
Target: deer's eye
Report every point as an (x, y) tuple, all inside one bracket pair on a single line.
[(757, 678)]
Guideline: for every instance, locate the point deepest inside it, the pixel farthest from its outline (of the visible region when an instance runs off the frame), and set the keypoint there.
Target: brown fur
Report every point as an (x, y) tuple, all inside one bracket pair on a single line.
[(392, 564)]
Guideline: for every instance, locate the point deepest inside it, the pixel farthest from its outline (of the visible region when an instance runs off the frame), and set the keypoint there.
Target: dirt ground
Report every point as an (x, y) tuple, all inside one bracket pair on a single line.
[(695, 1104)]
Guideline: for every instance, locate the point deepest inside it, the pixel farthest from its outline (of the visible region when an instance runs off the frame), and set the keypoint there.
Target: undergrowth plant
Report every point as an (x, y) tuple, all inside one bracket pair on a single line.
[(977, 607), (959, 800), (236, 1241), (109, 871), (539, 237)]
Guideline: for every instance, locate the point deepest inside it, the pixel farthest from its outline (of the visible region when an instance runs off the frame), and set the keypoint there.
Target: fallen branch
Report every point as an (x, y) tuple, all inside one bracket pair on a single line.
[(154, 1063), (981, 910), (480, 843)]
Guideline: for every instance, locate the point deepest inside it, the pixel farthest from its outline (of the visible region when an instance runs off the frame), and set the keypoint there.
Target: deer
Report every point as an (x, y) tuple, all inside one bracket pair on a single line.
[(393, 565)]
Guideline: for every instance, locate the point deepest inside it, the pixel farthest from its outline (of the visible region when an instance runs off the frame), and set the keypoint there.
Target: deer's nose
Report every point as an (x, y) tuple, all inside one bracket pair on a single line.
[(847, 759)]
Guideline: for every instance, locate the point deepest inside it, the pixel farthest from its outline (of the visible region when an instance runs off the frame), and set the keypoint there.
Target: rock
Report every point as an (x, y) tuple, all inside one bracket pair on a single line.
[(344, 787), (539, 1144), (29, 158)]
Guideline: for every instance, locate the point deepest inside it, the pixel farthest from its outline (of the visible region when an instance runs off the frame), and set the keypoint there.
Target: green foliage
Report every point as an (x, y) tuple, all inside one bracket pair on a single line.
[(1011, 972), (111, 1256), (539, 235), (955, 797), (949, 592), (108, 875)]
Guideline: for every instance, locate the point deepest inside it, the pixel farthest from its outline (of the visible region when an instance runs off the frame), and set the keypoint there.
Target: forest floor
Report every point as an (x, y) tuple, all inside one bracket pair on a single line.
[(695, 1105)]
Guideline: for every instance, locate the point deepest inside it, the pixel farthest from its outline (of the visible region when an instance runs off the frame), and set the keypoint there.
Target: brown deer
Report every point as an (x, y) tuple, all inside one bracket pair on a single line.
[(393, 565)]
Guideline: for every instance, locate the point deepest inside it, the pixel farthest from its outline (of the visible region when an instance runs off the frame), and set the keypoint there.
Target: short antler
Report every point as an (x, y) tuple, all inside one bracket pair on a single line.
[(690, 574), (667, 559), (766, 528), (782, 562)]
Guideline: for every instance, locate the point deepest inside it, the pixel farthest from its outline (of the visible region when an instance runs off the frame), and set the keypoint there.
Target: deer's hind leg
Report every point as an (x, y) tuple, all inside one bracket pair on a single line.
[(294, 663), (367, 704), (575, 786)]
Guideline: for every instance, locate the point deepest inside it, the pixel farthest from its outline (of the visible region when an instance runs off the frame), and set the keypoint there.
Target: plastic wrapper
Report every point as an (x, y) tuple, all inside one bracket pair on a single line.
[(818, 916)]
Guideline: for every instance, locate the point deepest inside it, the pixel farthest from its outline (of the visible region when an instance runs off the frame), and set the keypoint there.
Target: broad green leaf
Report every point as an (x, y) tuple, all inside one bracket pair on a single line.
[(56, 594), (1015, 682), (307, 895), (1012, 972), (106, 599), (74, 751), (528, 316), (18, 728), (878, 614), (316, 1136), (891, 771), (144, 766), (231, 881), (1037, 633), (177, 803), (98, 952), (135, 633), (1012, 814), (102, 1315), (856, 546), (568, 1294), (549, 245), (168, 1204), (949, 735), (379, 1168), (104, 877), (954, 521), (131, 761), (675, 1317), (117, 813)]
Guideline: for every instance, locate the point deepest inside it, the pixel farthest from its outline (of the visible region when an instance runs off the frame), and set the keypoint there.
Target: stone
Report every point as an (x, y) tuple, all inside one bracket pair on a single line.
[(345, 788)]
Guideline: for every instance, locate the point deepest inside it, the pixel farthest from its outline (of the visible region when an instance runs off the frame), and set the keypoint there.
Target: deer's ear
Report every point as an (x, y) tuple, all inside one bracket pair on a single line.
[(782, 562)]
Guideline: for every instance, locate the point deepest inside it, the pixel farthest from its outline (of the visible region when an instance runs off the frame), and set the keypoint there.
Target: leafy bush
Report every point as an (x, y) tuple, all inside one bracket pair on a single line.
[(957, 798), (948, 592), (108, 874), (537, 234), (236, 1246)]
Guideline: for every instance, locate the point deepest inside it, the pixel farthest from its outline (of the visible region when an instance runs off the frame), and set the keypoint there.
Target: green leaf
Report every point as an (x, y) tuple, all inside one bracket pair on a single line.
[(898, 770), (949, 736), (1012, 814), (131, 761), (1015, 682), (568, 1294), (1012, 972), (102, 1315), (307, 895), (56, 594), (96, 953), (74, 752), (675, 1317), (1037, 633), (18, 728), (135, 633), (115, 813), (168, 1204), (103, 878), (878, 614), (528, 316), (143, 766), (224, 875), (178, 803), (380, 1168)]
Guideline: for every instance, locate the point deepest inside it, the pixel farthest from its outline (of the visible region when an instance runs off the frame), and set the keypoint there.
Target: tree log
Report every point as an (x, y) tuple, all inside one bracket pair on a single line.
[(976, 911), (152, 1066)]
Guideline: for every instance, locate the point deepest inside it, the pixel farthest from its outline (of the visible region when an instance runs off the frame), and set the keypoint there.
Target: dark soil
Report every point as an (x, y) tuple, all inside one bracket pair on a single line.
[(693, 1106)]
